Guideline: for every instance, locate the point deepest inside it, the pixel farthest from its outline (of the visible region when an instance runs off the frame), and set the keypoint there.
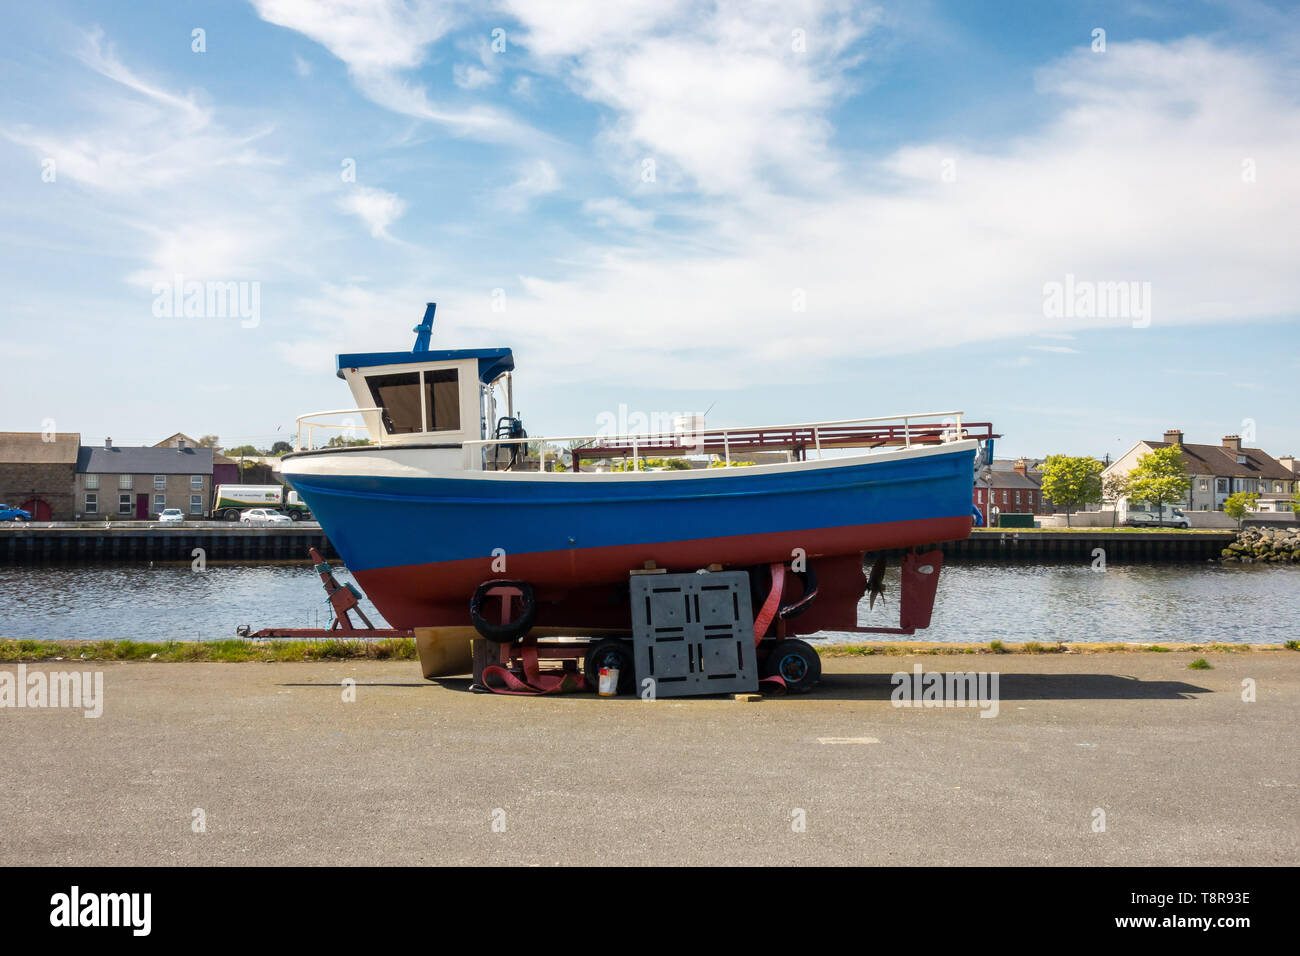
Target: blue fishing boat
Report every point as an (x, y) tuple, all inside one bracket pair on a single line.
[(451, 493)]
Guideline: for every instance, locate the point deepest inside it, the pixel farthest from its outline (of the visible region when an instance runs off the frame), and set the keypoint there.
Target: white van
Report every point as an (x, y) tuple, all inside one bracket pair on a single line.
[(1148, 516)]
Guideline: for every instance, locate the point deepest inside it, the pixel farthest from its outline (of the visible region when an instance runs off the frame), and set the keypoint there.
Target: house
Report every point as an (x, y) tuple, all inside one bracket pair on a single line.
[(139, 482), (225, 471), (38, 473), (1218, 471), (1013, 488)]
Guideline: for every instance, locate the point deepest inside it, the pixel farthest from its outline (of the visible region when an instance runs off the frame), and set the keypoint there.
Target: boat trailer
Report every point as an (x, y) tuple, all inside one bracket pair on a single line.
[(690, 633)]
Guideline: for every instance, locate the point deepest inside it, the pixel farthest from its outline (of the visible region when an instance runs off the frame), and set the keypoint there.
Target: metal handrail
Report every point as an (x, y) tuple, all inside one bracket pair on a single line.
[(311, 426), (952, 432)]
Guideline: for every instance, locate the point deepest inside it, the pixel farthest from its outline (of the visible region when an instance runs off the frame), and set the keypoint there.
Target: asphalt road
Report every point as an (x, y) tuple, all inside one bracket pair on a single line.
[(285, 771)]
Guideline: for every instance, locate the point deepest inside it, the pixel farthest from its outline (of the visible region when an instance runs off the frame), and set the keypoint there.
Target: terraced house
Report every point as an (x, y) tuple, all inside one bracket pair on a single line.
[(1218, 471), (138, 483)]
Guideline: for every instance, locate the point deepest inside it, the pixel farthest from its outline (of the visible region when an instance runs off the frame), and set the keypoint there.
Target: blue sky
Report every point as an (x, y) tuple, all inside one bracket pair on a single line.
[(855, 210)]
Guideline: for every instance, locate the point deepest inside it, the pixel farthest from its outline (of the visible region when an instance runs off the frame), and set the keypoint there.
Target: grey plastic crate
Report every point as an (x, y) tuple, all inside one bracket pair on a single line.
[(694, 633)]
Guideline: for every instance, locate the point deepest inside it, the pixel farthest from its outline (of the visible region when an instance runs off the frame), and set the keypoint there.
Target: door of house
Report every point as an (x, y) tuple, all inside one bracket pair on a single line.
[(142, 507), (38, 508)]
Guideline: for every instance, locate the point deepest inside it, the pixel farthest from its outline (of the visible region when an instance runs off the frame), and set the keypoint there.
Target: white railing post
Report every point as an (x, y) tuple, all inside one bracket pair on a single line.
[(726, 448), (636, 457), (907, 433), (817, 437)]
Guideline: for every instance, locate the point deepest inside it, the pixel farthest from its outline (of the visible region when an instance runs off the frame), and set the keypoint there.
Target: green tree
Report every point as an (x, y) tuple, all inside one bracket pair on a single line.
[(242, 451), (1159, 478), (1071, 481), (208, 441), (340, 441), (1239, 505), (281, 448)]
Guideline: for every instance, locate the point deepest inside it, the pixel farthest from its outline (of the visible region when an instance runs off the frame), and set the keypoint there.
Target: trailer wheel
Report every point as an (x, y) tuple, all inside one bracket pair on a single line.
[(796, 663), (611, 653), (513, 630), (294, 516), (230, 515)]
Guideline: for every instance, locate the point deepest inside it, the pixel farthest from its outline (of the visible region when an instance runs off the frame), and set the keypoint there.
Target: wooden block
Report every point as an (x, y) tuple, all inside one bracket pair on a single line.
[(748, 698)]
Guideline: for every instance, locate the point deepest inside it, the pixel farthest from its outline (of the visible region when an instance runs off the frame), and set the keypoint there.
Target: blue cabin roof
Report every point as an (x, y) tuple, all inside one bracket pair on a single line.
[(491, 362)]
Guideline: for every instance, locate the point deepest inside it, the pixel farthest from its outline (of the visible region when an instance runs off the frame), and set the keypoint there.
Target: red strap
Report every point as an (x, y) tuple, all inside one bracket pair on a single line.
[(536, 681), (772, 604)]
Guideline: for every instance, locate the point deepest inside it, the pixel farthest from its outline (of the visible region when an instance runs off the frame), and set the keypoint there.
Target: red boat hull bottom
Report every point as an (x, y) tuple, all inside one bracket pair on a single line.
[(588, 587)]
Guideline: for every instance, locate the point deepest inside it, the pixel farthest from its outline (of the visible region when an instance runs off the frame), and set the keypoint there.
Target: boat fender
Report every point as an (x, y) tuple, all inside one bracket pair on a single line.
[(508, 632)]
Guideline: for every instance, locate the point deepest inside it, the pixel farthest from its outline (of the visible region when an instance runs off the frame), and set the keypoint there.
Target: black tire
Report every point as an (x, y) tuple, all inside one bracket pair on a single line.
[(797, 663), (611, 652), (230, 515), (503, 633), (760, 582), (294, 516)]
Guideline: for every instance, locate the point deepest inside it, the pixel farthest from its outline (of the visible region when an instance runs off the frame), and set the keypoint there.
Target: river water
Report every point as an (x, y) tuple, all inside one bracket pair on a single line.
[(1199, 603)]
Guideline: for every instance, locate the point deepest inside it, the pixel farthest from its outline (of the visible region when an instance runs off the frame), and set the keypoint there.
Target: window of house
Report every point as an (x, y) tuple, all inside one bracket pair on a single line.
[(1223, 484), (399, 395), (1241, 459), (124, 504), (159, 502), (159, 482), (92, 504), (1017, 496), (92, 481), (1205, 485), (125, 481), (196, 504), (196, 482)]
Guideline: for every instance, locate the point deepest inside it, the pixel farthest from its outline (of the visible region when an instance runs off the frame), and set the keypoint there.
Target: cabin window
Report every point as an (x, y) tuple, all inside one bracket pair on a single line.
[(442, 396), (399, 397)]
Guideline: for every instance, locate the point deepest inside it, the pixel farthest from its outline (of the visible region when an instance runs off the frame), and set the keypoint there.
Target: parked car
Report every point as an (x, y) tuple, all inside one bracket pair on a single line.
[(264, 516), (171, 514), (1168, 517), (14, 513)]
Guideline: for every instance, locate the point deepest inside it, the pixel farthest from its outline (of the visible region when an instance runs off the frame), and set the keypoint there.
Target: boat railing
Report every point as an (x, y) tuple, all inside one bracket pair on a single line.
[(311, 426), (921, 428)]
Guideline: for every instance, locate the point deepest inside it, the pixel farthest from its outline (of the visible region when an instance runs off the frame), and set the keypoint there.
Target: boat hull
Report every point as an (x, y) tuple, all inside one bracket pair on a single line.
[(420, 542)]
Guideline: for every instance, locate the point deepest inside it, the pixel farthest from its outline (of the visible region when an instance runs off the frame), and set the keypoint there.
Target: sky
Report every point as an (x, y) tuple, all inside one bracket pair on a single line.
[(1080, 222)]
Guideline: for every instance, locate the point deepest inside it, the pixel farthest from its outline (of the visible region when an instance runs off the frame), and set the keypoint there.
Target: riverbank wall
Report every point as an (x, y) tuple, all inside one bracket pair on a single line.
[(73, 544)]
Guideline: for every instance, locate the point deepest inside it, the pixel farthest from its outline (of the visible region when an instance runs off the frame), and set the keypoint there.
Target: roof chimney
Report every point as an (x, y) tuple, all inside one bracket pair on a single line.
[(1288, 462), (1174, 436), (1232, 442), (1020, 466), (108, 442)]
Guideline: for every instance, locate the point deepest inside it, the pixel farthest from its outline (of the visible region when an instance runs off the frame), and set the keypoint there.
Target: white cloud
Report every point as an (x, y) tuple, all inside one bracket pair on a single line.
[(715, 92), (536, 178), (470, 77), (379, 39), (374, 207), (1056, 349), (612, 211), (1137, 178)]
